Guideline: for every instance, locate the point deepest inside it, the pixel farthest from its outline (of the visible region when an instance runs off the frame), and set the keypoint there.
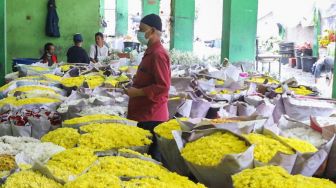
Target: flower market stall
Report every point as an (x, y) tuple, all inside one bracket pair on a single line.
[(66, 126)]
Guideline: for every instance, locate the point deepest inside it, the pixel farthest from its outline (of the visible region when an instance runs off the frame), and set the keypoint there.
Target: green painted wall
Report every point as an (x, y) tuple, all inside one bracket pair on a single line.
[(182, 30), (26, 36), (150, 7), (239, 30), (121, 17), (2, 41)]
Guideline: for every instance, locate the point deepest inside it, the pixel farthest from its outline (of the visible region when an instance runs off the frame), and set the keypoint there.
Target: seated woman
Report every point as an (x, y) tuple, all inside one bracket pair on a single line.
[(49, 54), (327, 64)]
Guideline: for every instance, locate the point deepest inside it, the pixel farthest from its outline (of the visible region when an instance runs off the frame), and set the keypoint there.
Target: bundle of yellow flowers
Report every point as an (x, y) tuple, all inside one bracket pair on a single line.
[(210, 150), (266, 147), (7, 162), (94, 81), (52, 77), (164, 130), (141, 173), (302, 90), (114, 81), (91, 119), (31, 179), (70, 163), (132, 152), (27, 89), (65, 137), (261, 80), (123, 68), (299, 145), (37, 68), (106, 136), (276, 177), (73, 81), (4, 87), (219, 82), (65, 68), (98, 180), (218, 121), (26, 101)]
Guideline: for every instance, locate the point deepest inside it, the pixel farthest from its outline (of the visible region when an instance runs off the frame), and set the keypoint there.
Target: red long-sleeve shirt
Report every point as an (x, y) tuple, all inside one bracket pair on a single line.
[(153, 76)]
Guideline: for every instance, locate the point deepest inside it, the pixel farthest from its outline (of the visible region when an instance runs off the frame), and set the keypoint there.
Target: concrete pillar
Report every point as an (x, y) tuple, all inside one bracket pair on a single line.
[(150, 7), (121, 17), (317, 31), (239, 30), (2, 41), (182, 28), (334, 79)]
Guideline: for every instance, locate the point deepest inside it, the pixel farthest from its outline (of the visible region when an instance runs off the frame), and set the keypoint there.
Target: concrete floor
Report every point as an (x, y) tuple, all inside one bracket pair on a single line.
[(303, 78)]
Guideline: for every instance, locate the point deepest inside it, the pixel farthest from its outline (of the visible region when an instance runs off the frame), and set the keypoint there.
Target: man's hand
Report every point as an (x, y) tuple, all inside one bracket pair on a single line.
[(134, 92)]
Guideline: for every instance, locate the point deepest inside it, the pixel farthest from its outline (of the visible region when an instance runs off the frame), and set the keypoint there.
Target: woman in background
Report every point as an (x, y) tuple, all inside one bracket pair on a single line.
[(49, 54)]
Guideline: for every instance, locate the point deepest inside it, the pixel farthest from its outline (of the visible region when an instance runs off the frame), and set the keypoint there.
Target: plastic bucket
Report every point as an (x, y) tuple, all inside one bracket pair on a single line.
[(307, 63), (298, 63)]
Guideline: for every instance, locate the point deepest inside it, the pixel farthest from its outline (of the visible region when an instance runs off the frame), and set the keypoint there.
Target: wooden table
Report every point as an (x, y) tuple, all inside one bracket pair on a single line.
[(268, 58)]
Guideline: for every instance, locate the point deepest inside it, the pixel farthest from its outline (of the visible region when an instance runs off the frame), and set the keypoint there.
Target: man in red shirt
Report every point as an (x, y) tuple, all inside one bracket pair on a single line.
[(148, 103)]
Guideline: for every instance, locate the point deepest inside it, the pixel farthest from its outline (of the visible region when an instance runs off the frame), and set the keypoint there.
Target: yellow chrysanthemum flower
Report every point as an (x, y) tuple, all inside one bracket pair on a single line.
[(4, 87), (267, 147), (96, 180), (91, 118), (302, 90), (261, 80), (71, 163), (106, 136), (65, 68), (299, 145), (26, 101), (164, 130), (38, 68), (137, 169), (94, 81), (73, 81), (218, 121), (210, 150), (123, 68), (27, 89), (30, 179), (276, 177), (65, 137), (52, 77)]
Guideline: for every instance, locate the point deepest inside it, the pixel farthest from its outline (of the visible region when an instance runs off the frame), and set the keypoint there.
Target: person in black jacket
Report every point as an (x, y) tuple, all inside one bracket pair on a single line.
[(77, 54)]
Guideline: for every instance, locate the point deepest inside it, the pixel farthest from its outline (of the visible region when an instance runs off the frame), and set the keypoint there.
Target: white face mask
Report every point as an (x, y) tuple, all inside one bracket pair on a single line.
[(142, 38)]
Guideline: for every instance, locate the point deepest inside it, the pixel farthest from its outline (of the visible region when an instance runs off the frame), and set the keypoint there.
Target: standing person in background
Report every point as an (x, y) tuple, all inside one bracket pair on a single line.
[(49, 54), (148, 103), (76, 54), (98, 51)]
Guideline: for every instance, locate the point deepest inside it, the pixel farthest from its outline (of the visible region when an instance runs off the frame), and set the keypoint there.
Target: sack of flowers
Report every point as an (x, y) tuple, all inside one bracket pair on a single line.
[(213, 155), (168, 147), (312, 147), (67, 165)]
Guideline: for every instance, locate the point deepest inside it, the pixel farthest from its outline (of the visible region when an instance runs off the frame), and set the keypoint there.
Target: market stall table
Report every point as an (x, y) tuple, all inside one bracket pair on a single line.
[(268, 58)]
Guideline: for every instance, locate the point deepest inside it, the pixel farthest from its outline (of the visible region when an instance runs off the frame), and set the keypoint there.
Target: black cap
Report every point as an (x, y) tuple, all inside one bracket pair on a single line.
[(152, 20), (77, 38)]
